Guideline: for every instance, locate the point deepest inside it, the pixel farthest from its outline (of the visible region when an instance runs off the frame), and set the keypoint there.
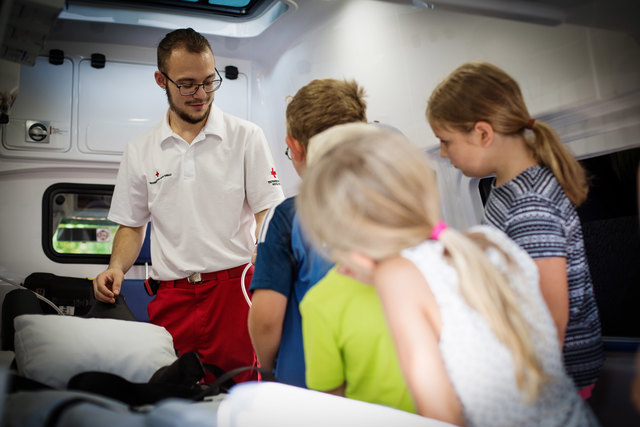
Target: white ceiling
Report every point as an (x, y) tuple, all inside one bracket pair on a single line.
[(615, 15)]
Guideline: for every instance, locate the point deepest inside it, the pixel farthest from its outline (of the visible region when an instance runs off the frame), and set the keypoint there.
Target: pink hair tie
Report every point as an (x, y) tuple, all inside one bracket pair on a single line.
[(530, 123), (437, 230)]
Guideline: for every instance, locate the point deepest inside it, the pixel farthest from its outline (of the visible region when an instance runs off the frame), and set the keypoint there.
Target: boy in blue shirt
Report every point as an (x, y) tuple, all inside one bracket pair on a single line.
[(286, 265)]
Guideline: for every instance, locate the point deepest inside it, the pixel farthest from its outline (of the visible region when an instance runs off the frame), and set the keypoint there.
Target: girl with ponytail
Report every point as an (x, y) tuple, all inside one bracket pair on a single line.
[(474, 338), (480, 117)]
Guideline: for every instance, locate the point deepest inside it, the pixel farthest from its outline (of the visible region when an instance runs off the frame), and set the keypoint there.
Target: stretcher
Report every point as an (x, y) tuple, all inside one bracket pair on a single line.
[(50, 349), (246, 405)]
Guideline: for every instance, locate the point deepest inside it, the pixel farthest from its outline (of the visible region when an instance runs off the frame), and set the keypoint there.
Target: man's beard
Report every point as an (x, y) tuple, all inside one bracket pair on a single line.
[(183, 115)]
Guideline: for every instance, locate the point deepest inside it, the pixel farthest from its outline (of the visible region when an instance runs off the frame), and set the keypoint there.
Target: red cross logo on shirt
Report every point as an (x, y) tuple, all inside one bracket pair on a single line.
[(273, 172), (157, 174)]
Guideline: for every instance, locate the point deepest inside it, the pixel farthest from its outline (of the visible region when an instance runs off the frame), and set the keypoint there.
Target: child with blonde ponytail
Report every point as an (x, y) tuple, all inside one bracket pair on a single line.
[(475, 340), (480, 117)]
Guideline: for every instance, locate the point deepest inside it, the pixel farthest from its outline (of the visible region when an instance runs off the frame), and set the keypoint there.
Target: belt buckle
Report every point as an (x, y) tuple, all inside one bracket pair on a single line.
[(195, 278)]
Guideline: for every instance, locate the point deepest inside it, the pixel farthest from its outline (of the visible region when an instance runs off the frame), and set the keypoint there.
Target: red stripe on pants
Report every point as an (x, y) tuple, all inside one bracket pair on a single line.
[(209, 318)]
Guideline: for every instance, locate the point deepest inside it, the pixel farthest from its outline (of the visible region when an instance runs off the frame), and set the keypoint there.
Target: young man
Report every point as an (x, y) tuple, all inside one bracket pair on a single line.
[(203, 178), (286, 266)]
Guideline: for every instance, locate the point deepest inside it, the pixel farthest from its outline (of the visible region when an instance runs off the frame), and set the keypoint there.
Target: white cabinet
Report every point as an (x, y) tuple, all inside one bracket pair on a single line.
[(116, 103), (40, 118), (74, 111)]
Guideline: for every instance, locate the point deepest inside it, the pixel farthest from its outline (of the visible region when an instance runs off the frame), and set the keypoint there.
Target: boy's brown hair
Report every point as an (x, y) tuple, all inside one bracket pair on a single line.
[(324, 103)]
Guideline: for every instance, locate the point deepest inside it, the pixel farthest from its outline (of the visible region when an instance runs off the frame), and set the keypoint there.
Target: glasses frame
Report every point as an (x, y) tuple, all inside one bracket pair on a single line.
[(197, 85), (287, 153)]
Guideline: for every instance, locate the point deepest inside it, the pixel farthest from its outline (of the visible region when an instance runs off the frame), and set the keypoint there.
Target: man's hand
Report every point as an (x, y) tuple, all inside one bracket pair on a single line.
[(125, 250), (107, 285)]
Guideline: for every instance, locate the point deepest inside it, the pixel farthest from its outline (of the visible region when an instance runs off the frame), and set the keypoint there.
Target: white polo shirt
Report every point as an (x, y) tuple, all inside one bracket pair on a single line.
[(200, 197)]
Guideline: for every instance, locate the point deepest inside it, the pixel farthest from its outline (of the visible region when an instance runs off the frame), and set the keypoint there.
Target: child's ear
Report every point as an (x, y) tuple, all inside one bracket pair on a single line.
[(357, 266), (485, 131), (298, 151), (362, 261)]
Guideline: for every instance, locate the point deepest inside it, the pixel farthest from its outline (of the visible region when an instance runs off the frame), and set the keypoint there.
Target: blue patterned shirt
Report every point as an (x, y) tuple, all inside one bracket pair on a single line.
[(533, 210)]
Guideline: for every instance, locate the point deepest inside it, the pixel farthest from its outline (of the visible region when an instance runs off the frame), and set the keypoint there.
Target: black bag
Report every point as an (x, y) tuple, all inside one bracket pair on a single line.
[(17, 301), (72, 295), (181, 379)]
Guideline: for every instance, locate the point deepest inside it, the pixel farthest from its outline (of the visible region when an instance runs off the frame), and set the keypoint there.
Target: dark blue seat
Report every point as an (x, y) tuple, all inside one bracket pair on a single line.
[(133, 289)]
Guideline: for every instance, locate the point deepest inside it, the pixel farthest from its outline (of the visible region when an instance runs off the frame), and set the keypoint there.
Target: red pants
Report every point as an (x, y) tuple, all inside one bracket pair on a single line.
[(209, 318)]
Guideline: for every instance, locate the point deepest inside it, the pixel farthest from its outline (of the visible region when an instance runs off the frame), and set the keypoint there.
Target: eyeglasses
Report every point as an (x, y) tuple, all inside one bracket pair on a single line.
[(188, 89), (288, 154)]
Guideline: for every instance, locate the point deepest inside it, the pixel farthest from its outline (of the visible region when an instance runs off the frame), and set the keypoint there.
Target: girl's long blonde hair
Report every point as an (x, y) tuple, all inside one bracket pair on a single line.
[(374, 193), (479, 91)]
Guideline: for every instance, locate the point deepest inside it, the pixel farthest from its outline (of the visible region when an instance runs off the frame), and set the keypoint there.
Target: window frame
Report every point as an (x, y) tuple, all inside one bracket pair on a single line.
[(252, 9), (48, 199)]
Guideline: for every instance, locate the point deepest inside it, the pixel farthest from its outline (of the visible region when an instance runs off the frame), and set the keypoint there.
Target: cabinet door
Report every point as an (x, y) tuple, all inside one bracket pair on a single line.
[(40, 118), (122, 100), (115, 104)]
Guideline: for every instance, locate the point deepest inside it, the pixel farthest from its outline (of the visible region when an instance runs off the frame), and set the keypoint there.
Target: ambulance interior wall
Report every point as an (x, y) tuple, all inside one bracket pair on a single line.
[(397, 52)]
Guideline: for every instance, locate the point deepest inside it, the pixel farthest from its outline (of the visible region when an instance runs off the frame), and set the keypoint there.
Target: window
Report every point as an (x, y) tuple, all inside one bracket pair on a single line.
[(484, 187), (75, 227), (612, 239), (230, 8), (225, 18)]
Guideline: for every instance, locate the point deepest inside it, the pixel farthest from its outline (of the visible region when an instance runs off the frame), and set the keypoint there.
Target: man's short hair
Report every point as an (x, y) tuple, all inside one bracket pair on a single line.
[(186, 38)]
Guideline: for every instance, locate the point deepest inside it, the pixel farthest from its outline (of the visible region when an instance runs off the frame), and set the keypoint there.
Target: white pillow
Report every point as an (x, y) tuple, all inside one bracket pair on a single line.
[(51, 348)]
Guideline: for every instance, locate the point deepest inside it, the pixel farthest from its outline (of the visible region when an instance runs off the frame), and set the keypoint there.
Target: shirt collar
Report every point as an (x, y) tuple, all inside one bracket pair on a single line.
[(215, 123), (213, 126)]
